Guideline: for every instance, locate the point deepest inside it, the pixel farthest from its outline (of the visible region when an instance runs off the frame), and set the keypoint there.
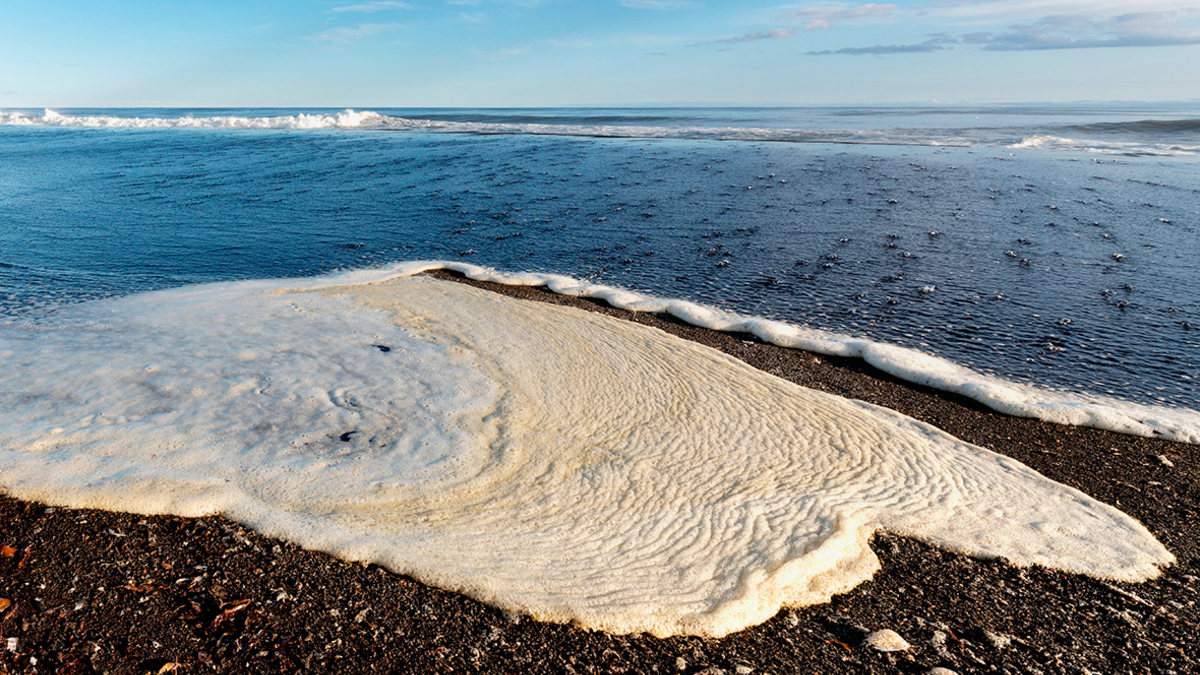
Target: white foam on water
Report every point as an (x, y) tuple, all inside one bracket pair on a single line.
[(545, 459), (351, 119), (1106, 147), (367, 119), (346, 119)]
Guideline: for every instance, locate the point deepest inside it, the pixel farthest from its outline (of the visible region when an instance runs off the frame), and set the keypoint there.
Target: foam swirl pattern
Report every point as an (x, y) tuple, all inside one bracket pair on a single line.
[(544, 459), (1011, 398)]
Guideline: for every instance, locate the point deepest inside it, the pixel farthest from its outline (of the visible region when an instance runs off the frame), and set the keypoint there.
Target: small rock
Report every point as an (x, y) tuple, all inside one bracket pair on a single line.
[(887, 640), (1162, 459), (940, 671), (681, 664), (743, 670), (997, 640)]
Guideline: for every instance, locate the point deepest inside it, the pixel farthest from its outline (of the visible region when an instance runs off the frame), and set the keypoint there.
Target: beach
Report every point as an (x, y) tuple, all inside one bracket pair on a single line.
[(640, 336), (93, 591)]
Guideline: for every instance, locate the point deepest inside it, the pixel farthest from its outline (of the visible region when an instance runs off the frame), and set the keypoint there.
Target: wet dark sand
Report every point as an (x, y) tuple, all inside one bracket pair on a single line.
[(94, 592)]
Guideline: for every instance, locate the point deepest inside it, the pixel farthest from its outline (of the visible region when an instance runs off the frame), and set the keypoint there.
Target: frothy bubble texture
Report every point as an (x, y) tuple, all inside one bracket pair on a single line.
[(545, 459)]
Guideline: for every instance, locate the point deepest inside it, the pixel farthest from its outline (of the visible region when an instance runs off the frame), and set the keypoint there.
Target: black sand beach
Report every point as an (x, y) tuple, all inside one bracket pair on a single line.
[(96, 592)]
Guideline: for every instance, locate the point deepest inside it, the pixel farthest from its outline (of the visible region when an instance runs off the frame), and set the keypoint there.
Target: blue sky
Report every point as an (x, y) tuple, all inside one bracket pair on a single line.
[(392, 53)]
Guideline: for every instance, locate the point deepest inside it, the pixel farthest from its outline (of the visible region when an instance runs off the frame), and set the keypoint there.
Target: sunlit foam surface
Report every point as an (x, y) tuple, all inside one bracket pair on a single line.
[(544, 459)]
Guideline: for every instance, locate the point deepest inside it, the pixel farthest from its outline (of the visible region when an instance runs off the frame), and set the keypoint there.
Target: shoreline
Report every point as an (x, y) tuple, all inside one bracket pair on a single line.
[(103, 592)]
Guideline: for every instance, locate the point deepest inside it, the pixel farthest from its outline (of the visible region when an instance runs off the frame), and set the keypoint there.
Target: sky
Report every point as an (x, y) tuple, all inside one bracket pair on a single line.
[(526, 53)]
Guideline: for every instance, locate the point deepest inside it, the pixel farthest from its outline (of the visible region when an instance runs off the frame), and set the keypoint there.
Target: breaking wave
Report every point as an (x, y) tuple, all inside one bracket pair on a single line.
[(1144, 137), (1107, 147), (1130, 138)]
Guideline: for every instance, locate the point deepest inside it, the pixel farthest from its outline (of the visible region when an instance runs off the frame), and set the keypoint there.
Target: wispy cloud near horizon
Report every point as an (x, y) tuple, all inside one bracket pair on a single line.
[(1142, 29), (823, 17), (375, 6), (755, 36), (1013, 25), (655, 4), (346, 35), (599, 52), (936, 43), (502, 54), (1027, 10)]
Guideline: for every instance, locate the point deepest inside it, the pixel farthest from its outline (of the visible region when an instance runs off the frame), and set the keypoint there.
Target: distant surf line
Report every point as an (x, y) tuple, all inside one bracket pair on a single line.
[(1036, 138)]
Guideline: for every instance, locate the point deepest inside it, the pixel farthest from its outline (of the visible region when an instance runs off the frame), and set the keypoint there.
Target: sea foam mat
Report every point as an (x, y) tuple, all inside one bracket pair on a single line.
[(547, 460)]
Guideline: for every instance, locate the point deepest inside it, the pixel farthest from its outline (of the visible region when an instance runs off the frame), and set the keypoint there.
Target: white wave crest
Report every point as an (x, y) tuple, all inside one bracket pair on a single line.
[(1105, 147), (347, 119), (352, 119), (368, 119)]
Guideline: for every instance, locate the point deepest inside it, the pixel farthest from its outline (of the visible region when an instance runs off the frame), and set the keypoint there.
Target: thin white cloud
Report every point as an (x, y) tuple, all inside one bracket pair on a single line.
[(935, 43), (573, 43), (1025, 10), (647, 39), (1019, 25), (524, 3), (775, 34), (346, 35), (518, 3), (655, 4), (822, 17), (375, 6), (502, 54), (1141, 29), (473, 17)]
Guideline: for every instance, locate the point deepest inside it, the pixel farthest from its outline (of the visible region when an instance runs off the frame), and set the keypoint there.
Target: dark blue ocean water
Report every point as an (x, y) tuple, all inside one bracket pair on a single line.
[(1058, 247)]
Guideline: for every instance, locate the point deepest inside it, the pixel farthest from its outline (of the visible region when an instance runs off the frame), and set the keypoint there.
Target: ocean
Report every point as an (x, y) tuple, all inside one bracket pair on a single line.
[(221, 312), (1051, 245)]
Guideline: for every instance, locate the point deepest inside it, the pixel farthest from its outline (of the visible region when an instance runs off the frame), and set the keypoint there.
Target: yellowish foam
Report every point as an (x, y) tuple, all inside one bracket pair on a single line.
[(544, 459)]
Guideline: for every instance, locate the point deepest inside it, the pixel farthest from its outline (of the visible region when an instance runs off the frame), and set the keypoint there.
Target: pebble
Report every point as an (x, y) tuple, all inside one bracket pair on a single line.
[(940, 671), (1162, 459), (997, 640), (887, 640)]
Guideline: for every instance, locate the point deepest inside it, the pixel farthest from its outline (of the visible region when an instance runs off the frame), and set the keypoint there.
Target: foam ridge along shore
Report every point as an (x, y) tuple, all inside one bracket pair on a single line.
[(1010, 398)]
